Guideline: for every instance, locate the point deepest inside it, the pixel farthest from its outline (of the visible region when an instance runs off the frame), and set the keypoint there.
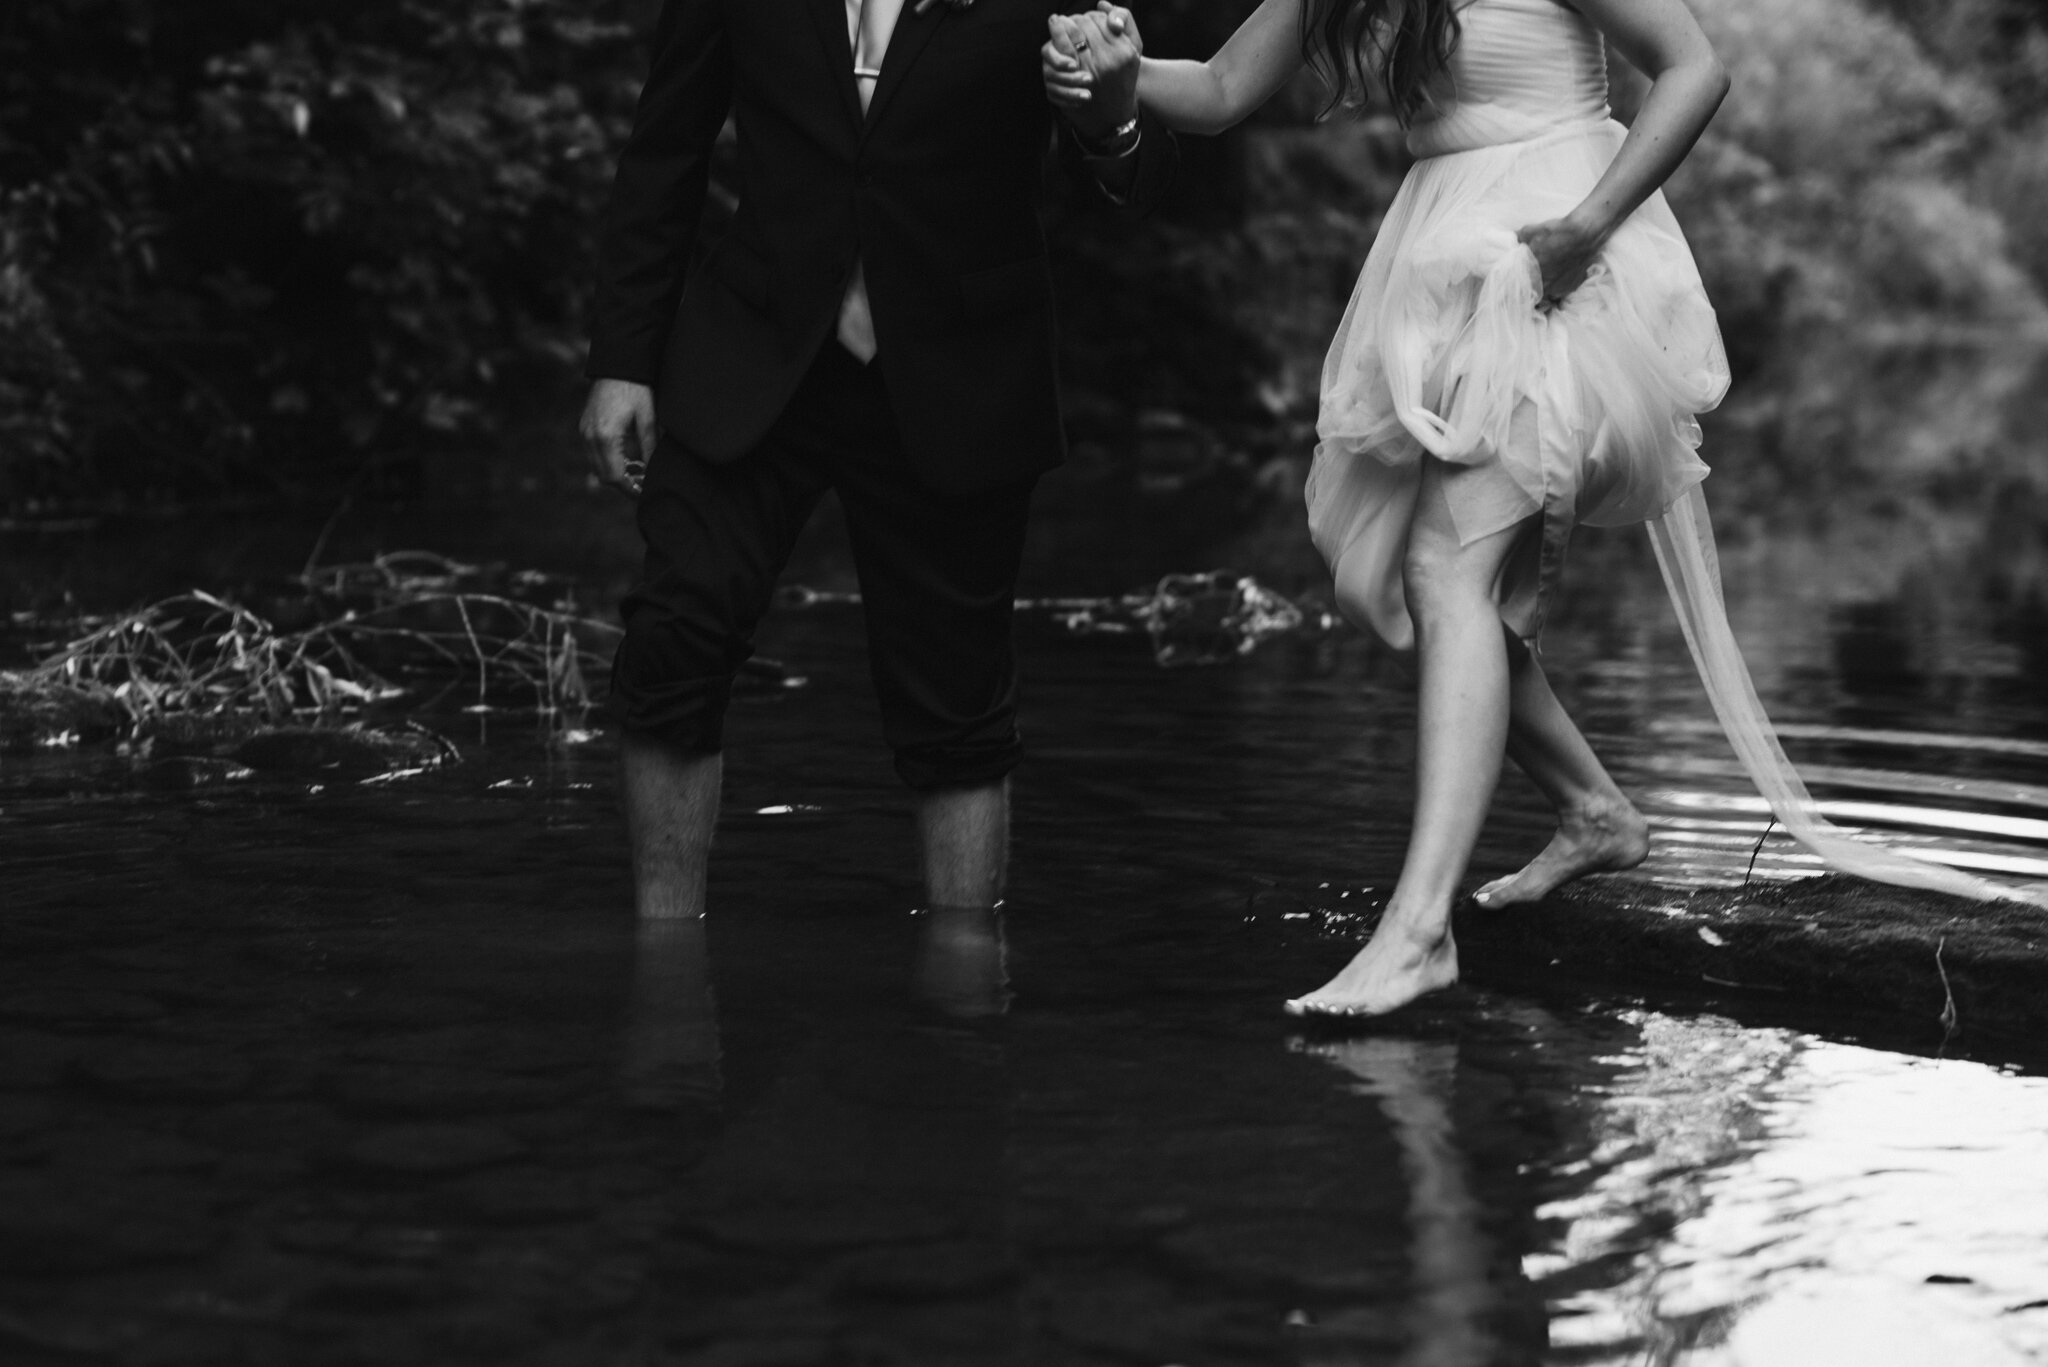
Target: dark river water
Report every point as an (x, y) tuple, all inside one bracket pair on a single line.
[(305, 1070)]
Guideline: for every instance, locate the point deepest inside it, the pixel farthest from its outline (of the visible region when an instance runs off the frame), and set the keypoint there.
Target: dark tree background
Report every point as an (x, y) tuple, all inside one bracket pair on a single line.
[(259, 248), (283, 249), (251, 246)]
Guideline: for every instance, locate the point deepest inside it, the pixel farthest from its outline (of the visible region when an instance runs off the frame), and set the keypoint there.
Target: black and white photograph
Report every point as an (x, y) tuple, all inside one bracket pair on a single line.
[(1024, 683)]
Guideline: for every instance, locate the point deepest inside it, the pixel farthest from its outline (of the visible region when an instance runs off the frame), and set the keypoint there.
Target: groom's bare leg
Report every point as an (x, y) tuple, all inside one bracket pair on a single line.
[(671, 800), (965, 835)]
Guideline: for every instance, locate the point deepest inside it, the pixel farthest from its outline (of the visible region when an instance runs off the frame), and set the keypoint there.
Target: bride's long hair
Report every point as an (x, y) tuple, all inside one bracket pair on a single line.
[(1403, 44)]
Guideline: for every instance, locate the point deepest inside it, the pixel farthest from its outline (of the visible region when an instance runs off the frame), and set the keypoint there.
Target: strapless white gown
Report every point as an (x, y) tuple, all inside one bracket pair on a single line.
[(1586, 412)]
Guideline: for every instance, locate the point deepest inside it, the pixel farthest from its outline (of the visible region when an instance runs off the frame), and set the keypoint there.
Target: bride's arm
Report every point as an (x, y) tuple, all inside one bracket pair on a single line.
[(1199, 97), (1209, 97), (1661, 39), (1687, 82)]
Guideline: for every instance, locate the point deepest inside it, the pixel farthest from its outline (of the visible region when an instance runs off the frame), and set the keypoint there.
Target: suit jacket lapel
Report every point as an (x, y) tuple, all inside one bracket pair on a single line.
[(830, 18), (906, 44)]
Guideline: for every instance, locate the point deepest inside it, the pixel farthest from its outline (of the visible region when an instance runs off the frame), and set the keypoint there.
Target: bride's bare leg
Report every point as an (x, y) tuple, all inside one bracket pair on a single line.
[(1462, 723), (1598, 828)]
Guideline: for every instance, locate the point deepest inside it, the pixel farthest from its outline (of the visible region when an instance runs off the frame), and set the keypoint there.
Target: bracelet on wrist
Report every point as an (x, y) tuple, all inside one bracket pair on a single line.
[(1118, 141)]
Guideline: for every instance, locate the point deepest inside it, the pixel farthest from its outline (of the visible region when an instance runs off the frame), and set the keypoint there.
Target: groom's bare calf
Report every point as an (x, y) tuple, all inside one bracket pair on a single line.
[(965, 836), (671, 801)]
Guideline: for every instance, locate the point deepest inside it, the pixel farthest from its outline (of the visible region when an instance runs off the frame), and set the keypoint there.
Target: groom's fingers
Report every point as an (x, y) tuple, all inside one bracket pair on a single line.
[(649, 433), (1106, 51), (1063, 76), (1124, 25), (1062, 54), (628, 465), (1105, 30), (608, 460), (615, 457)]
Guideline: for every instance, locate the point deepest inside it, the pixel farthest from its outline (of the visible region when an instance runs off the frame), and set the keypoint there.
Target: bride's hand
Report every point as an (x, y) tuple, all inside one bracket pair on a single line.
[(1565, 251)]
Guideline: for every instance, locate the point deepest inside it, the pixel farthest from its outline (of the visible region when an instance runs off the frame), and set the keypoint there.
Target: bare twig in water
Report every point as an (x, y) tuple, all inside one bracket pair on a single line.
[(1949, 1021), (483, 678), (391, 625), (1758, 850)]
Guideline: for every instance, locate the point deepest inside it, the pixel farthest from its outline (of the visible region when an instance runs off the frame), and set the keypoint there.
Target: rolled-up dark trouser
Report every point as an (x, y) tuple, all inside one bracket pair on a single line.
[(938, 577)]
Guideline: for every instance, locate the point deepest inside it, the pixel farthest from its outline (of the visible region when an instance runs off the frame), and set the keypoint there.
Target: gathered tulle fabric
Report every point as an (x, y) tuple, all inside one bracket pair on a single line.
[(1684, 540), (1543, 417), (1581, 413)]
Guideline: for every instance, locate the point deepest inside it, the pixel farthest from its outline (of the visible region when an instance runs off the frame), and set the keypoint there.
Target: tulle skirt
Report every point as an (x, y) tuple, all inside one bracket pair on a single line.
[(1580, 413)]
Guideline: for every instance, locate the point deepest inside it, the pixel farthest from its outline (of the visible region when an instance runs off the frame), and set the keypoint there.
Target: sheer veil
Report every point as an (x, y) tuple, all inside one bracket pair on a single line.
[(1684, 541)]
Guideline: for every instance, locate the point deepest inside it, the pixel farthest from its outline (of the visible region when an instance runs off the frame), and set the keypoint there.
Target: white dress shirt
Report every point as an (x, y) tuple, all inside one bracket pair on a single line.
[(869, 25)]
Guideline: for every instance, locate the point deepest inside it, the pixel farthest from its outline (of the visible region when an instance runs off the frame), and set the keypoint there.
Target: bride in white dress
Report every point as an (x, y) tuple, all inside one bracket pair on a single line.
[(1527, 349)]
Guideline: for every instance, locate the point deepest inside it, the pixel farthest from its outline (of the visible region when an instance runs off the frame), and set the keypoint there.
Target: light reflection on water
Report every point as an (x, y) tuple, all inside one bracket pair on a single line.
[(1812, 1202)]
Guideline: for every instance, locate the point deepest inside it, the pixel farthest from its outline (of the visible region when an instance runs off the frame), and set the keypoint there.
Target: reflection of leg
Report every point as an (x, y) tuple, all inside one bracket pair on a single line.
[(671, 799), (1451, 1255), (960, 966), (1461, 720), (965, 833), (671, 1054), (1598, 828)]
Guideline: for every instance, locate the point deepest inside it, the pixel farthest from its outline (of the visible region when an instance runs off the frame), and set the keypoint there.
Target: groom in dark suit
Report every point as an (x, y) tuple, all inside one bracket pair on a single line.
[(877, 321)]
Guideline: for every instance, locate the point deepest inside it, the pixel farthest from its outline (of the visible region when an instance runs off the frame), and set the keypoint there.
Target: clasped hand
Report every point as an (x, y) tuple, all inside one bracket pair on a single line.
[(1090, 65)]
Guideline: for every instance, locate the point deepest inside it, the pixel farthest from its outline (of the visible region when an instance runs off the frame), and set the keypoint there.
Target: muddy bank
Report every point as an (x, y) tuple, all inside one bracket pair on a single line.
[(1835, 944)]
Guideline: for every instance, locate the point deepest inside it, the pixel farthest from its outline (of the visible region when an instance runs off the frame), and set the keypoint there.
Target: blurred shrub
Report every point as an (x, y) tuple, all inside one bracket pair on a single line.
[(1880, 295), (243, 246)]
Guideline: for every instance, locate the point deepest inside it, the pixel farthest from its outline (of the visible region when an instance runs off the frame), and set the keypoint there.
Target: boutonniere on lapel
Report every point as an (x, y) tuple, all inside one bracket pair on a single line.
[(923, 5)]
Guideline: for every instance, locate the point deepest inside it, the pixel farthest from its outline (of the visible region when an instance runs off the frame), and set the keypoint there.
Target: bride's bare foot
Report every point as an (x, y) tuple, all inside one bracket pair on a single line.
[(1392, 970), (1601, 839)]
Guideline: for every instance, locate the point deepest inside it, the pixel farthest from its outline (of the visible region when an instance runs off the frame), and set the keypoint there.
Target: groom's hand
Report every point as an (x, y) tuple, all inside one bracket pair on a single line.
[(619, 432), (1068, 84), (1106, 46)]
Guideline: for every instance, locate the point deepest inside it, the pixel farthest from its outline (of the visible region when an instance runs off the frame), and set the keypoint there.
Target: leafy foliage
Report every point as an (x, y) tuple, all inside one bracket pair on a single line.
[(235, 231), (1881, 308), (291, 245)]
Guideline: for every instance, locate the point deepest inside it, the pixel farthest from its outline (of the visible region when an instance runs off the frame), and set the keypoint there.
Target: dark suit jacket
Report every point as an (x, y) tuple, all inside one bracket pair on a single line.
[(936, 190)]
